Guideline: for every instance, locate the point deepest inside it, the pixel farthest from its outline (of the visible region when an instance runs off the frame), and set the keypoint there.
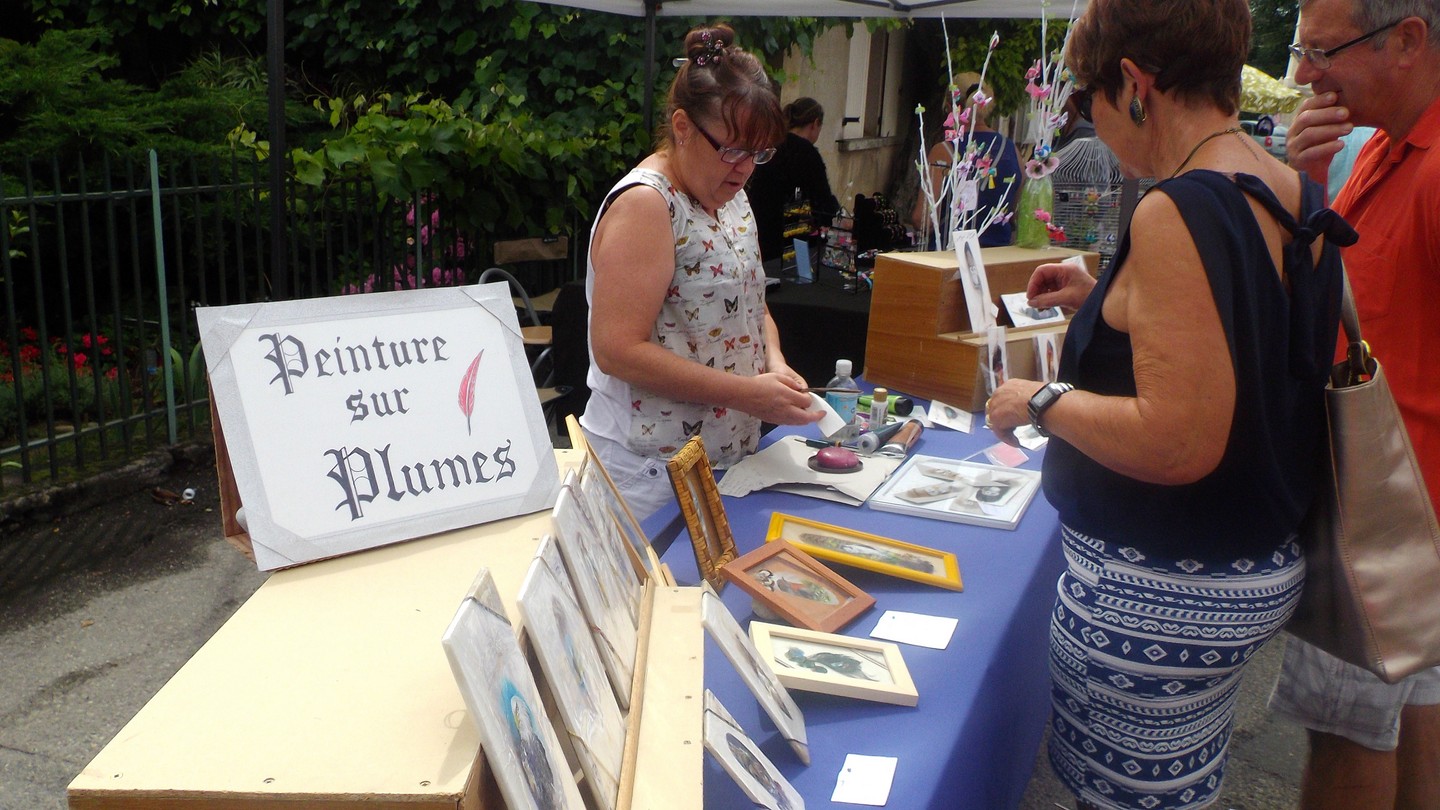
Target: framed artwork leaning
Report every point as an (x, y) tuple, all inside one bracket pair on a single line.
[(739, 757), (789, 585), (864, 668), (588, 711), (504, 703), (704, 514), (870, 552), (761, 680)]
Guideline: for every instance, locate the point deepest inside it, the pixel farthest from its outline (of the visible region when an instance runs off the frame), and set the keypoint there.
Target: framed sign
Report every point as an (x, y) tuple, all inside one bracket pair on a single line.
[(362, 420), (700, 504)]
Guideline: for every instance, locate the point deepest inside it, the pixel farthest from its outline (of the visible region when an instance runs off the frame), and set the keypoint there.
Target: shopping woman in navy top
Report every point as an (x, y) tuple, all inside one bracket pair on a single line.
[(1185, 455)]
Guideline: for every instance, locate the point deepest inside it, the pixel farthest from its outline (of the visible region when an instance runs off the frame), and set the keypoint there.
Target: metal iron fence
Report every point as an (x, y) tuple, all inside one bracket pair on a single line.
[(101, 267)]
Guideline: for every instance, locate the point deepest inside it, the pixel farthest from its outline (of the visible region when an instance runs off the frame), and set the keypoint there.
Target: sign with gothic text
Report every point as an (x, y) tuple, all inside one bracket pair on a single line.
[(358, 421)]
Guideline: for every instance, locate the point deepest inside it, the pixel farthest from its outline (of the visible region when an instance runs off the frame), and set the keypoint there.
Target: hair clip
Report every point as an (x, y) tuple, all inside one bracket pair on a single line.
[(678, 61)]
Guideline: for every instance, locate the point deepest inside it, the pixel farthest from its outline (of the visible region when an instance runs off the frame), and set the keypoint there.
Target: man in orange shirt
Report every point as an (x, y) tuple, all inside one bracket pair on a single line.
[(1377, 63)]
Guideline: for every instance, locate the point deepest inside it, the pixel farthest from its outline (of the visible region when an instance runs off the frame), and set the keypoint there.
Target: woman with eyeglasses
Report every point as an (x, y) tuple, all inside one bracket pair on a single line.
[(1189, 418), (680, 339)]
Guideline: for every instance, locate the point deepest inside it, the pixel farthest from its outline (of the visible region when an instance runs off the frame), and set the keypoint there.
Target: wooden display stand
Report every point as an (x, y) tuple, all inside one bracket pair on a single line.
[(919, 339), (329, 689)]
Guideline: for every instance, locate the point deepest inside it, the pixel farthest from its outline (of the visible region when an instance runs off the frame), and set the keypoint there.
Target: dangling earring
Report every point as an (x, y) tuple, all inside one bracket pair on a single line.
[(1137, 111)]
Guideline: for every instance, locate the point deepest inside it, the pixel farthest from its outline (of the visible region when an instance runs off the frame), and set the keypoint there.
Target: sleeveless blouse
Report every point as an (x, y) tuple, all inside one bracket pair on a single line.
[(1281, 337), (713, 314)]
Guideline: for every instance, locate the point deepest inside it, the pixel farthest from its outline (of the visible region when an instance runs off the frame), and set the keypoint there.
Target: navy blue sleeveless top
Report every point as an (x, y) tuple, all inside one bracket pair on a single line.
[(1281, 343)]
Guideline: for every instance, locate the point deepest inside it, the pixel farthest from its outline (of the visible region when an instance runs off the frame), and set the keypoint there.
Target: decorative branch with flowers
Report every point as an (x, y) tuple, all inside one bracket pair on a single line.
[(1048, 83), (970, 166)]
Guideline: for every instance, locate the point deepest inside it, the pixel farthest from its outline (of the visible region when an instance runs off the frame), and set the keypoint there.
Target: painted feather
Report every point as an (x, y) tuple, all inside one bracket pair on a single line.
[(467, 389)]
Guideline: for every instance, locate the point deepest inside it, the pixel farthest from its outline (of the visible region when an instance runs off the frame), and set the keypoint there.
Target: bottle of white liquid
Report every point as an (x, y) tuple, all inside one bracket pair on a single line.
[(845, 401)]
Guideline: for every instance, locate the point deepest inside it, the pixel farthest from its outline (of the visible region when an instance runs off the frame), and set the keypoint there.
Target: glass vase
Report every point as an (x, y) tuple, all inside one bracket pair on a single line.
[(1037, 194)]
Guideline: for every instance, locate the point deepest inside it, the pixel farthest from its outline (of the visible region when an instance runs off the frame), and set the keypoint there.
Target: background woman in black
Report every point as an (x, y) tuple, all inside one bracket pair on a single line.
[(797, 164)]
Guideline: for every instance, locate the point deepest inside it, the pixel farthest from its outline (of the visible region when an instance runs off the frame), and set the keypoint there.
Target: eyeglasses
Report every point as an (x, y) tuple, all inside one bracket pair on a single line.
[(1084, 96), (1321, 58), (733, 155)]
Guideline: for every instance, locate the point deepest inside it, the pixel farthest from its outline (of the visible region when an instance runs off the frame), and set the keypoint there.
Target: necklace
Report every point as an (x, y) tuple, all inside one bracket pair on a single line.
[(1208, 138)]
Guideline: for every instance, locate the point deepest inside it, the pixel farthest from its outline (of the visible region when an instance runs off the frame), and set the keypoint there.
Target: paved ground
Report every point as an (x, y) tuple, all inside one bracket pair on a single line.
[(105, 593)]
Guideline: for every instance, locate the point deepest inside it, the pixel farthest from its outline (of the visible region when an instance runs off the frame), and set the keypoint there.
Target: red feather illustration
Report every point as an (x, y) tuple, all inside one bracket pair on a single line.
[(467, 390)]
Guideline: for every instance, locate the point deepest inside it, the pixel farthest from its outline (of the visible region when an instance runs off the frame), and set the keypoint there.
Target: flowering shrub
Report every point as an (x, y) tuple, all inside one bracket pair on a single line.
[(56, 358), (403, 275)]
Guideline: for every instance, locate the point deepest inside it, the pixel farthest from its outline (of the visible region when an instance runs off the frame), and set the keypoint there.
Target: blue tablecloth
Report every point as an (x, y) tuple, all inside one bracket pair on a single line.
[(984, 701)]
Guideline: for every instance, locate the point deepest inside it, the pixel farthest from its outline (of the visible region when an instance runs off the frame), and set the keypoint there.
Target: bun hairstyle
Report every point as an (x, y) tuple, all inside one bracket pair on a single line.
[(802, 112), (720, 83)]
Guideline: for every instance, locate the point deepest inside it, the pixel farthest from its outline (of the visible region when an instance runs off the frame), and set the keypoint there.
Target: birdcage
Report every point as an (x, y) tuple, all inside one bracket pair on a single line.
[(1087, 196)]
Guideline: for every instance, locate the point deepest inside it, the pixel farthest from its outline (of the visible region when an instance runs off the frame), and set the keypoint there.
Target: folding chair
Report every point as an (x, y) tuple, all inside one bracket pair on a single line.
[(538, 339)]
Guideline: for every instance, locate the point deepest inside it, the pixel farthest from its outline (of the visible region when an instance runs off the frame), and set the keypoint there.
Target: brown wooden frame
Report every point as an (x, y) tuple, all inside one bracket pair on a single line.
[(700, 504), (798, 610)]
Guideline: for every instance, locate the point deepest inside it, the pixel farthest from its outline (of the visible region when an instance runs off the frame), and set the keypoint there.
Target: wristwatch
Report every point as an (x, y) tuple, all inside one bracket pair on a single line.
[(1041, 402)]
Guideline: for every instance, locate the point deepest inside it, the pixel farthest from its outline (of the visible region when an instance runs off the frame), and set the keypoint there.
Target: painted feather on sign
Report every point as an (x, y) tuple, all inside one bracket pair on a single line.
[(467, 389)]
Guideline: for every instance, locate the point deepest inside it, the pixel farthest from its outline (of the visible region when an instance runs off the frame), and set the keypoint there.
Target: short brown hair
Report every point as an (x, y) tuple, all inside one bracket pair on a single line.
[(721, 81), (1195, 47)]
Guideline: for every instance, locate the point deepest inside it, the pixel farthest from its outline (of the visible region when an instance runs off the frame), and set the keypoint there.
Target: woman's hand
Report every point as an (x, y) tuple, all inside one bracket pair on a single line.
[(779, 398), (1009, 407), (1059, 285)]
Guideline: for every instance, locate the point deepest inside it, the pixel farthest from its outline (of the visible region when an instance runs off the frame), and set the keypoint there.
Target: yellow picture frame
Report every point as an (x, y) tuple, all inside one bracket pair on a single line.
[(869, 552), (704, 513)]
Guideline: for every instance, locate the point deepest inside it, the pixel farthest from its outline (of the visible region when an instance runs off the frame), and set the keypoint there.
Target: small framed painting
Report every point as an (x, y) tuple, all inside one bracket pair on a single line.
[(738, 755), (704, 514), (751, 666), (868, 551), (504, 703), (790, 585), (863, 668)]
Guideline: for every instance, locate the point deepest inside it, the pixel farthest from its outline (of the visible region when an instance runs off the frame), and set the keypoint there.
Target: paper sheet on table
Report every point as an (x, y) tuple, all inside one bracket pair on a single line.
[(915, 628), (784, 466), (865, 780)]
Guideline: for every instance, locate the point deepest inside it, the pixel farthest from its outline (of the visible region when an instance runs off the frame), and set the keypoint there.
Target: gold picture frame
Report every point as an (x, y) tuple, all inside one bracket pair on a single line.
[(704, 514), (831, 664), (788, 584), (870, 552)]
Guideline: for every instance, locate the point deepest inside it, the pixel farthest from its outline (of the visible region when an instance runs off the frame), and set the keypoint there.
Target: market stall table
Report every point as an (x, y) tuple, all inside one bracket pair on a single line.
[(984, 701)]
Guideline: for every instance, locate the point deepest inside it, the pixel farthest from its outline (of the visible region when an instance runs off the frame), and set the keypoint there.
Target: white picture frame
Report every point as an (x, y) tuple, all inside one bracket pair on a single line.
[(959, 491), (504, 703), (745, 763), (756, 674), (832, 664), (970, 272), (356, 421), (595, 583), (575, 673), (608, 541)]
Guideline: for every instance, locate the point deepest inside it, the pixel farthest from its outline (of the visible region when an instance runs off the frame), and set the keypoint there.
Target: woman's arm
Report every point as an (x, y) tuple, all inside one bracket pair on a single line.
[(633, 255), (1174, 430)]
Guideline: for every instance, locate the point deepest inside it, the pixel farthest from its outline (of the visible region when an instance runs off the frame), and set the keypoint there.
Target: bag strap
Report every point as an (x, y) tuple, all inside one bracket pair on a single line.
[(1359, 364)]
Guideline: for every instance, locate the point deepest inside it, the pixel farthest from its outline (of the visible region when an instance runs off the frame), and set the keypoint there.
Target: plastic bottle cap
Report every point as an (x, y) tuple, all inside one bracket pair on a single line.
[(842, 368), (880, 395)]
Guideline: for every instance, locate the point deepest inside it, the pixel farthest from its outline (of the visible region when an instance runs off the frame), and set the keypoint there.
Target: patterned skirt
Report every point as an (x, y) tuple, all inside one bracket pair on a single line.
[(1146, 657)]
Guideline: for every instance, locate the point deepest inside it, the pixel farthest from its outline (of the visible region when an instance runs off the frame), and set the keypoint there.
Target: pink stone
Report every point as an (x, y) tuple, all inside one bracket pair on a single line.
[(836, 458)]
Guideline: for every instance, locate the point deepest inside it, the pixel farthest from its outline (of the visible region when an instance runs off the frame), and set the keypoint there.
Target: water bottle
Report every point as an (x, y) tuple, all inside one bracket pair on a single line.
[(845, 402)]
